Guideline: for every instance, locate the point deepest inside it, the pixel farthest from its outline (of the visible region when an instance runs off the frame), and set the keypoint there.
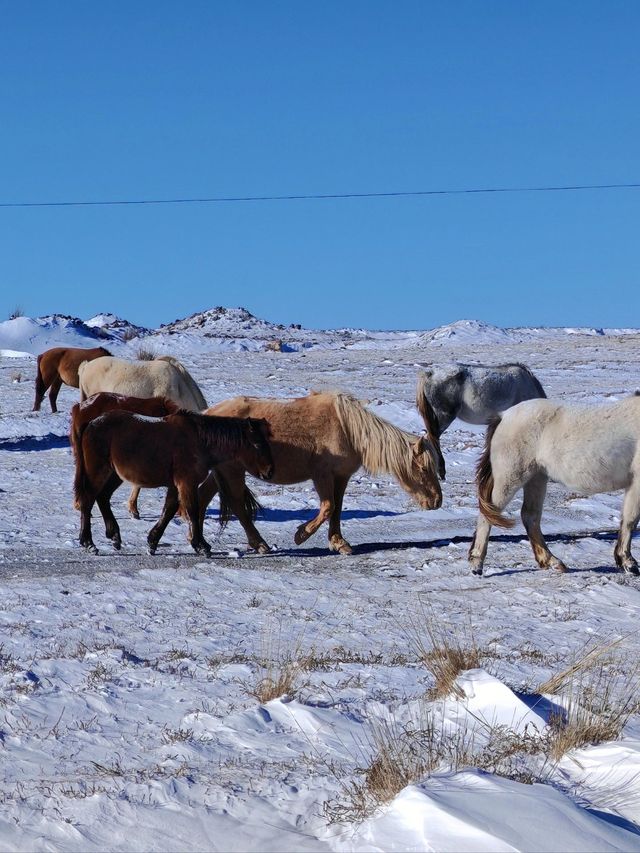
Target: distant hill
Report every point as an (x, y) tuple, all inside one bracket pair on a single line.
[(236, 329)]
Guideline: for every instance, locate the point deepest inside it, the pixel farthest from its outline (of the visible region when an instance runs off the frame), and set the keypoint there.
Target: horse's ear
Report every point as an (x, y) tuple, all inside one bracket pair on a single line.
[(418, 446)]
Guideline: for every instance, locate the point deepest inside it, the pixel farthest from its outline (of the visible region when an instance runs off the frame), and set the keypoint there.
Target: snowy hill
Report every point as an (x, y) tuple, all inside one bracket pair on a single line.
[(22, 334), (237, 330)]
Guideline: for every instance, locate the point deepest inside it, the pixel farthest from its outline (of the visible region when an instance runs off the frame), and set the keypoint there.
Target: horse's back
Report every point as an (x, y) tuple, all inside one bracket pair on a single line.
[(305, 433), (131, 379), (590, 449)]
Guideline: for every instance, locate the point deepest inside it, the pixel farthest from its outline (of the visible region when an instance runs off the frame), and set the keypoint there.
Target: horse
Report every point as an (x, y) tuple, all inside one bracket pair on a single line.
[(103, 401), (59, 365), (326, 438), (475, 393), (162, 377), (589, 450), (177, 451)]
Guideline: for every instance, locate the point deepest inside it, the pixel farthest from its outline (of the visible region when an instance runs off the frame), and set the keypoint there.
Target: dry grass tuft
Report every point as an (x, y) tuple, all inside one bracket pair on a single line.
[(145, 354), (407, 754), (276, 679), (584, 662), (446, 651), (598, 703)]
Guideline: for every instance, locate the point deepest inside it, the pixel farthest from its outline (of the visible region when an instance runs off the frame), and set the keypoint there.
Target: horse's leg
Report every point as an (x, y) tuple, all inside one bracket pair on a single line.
[(168, 511), (324, 488), (132, 503), (87, 499), (56, 385), (628, 523), (207, 490), (86, 540), (235, 496), (503, 492), (336, 540), (188, 495), (534, 493), (111, 528)]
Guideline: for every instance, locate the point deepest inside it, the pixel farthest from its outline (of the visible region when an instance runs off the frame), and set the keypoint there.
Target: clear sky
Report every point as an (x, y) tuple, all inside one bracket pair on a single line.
[(152, 99)]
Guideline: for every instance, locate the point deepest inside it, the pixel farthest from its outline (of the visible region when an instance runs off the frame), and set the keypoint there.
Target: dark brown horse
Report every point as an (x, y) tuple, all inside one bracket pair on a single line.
[(104, 401), (59, 365), (177, 451)]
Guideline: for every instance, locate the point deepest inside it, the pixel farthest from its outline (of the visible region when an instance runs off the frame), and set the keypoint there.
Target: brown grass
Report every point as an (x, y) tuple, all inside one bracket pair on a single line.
[(145, 354), (445, 650), (598, 703)]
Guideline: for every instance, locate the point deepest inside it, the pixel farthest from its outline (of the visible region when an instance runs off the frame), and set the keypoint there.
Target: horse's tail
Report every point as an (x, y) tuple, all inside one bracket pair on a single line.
[(430, 420), (80, 477), (40, 386), (201, 403), (250, 502), (76, 429), (537, 384), (484, 481)]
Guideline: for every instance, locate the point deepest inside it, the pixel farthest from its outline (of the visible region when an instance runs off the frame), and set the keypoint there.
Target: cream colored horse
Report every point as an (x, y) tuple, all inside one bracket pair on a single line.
[(325, 438), (589, 450), (162, 377)]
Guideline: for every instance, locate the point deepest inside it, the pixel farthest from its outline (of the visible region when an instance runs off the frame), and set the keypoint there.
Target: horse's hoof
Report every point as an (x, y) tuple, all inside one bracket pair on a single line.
[(301, 535), (559, 566), (340, 546), (151, 549), (263, 548), (117, 544), (134, 514), (476, 569), (631, 568), (90, 547)]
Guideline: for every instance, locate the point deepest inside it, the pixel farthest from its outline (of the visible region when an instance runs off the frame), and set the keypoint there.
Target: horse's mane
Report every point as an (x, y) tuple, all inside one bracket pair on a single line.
[(193, 386), (218, 433), (384, 448)]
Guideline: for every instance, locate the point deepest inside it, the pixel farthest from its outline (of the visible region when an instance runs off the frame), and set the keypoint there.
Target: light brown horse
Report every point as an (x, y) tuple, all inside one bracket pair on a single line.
[(177, 451), (98, 404), (326, 438), (59, 365)]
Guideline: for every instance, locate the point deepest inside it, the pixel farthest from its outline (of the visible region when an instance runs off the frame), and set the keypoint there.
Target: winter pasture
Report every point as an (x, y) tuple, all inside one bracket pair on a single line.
[(303, 700)]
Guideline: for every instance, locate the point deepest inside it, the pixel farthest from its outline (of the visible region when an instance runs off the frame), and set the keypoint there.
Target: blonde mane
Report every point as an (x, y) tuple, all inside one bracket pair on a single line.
[(384, 448)]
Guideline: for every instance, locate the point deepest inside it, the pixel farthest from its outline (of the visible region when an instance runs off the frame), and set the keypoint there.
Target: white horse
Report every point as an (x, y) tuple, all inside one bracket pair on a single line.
[(162, 377), (475, 393), (589, 450)]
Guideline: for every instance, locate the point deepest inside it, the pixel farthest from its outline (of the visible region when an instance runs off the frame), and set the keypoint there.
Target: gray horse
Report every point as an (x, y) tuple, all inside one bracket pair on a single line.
[(475, 393)]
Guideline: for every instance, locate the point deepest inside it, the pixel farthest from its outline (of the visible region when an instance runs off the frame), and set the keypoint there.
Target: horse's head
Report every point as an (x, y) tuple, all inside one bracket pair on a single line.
[(431, 422), (425, 486), (257, 458)]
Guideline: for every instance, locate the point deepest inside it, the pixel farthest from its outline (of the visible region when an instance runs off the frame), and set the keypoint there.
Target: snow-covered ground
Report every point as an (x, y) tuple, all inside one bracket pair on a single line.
[(128, 719)]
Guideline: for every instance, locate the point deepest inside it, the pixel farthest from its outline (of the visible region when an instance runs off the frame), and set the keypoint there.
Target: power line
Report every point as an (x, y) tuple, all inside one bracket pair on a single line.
[(318, 196)]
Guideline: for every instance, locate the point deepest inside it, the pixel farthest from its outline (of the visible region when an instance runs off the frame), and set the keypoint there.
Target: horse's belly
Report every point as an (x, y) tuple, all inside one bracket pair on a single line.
[(592, 474)]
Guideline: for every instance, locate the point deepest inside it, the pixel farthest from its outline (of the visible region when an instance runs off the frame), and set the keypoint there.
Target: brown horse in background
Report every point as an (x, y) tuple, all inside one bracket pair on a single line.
[(59, 365), (98, 404), (326, 438), (177, 451)]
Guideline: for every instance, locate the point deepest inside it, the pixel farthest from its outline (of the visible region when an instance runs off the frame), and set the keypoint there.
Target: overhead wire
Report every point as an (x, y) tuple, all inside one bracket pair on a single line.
[(318, 196)]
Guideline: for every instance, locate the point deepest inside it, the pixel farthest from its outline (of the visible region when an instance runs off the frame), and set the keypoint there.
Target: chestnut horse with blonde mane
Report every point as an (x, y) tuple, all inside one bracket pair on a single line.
[(177, 451), (60, 365), (325, 438)]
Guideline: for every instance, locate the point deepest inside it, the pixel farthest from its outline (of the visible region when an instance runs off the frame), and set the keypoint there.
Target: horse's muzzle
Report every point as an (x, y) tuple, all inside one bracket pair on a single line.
[(268, 475)]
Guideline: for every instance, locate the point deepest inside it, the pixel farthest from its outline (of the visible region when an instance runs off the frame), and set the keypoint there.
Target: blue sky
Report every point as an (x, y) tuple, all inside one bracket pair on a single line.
[(155, 100)]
